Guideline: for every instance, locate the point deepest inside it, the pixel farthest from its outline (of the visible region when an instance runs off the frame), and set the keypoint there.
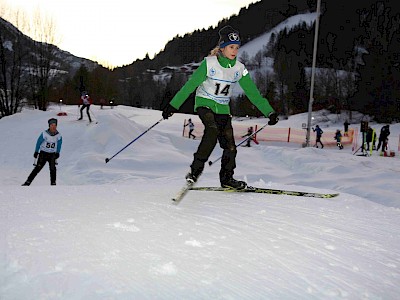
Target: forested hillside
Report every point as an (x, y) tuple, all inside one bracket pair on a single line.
[(359, 67), (357, 60)]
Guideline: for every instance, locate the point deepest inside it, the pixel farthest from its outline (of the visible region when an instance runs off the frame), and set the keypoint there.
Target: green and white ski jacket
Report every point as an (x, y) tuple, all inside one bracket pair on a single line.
[(214, 80)]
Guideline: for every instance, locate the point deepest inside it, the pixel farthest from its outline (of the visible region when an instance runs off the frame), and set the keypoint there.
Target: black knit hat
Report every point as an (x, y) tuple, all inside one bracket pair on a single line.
[(52, 121), (227, 36)]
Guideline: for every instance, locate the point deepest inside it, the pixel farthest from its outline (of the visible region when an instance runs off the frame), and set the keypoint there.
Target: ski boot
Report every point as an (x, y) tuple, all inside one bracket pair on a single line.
[(233, 183), (191, 178), (227, 181)]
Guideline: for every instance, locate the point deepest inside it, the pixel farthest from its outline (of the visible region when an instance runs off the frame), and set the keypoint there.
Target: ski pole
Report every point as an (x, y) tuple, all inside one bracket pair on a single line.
[(148, 129), (245, 140)]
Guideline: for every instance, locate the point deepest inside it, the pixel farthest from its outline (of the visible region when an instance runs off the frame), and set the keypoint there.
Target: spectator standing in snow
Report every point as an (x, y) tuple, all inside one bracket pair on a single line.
[(319, 133), (214, 80), (338, 138), (383, 137), (249, 133), (346, 128), (86, 101), (48, 148), (370, 138), (191, 128)]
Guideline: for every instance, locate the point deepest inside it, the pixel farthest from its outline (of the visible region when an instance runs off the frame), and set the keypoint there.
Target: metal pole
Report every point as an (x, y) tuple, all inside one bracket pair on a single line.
[(313, 74), (148, 129)]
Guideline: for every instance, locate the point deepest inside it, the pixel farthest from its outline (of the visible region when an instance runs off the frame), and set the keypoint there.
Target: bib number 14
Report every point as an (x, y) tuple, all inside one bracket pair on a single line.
[(224, 91)]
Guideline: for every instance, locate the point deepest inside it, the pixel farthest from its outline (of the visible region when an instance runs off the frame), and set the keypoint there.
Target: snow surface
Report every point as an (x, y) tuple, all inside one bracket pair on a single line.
[(110, 231)]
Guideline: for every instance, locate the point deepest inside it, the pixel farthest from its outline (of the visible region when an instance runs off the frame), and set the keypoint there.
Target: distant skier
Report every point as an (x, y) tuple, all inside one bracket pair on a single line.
[(48, 148), (86, 101), (191, 128), (338, 138), (319, 133), (251, 138), (214, 80)]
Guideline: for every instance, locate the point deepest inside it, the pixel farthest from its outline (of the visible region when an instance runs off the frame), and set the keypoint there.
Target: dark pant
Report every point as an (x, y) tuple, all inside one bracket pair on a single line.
[(87, 111), (318, 140), (42, 159), (191, 133), (382, 141), (216, 128)]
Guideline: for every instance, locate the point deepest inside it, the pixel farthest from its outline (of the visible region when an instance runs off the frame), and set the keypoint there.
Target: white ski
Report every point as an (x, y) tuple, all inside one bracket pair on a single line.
[(182, 192)]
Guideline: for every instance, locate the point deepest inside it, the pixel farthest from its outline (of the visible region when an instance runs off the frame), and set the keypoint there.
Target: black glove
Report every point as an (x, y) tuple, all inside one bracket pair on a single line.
[(57, 155), (273, 118), (168, 111), (35, 155)]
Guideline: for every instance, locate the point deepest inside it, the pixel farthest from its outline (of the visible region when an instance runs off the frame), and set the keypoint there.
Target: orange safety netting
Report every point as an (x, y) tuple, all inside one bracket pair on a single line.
[(277, 134)]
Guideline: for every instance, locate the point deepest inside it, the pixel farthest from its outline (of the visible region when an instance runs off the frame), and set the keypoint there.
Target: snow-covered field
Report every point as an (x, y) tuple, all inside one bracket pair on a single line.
[(110, 231)]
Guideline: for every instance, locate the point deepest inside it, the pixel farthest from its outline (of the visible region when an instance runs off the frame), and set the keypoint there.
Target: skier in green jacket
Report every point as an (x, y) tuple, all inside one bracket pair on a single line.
[(214, 80)]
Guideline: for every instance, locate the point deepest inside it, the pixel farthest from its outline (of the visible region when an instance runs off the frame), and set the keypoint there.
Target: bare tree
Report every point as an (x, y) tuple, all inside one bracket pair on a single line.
[(12, 53), (43, 69)]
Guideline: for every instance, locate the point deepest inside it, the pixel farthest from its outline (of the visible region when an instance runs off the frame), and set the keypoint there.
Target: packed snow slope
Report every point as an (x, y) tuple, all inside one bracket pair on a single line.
[(110, 231)]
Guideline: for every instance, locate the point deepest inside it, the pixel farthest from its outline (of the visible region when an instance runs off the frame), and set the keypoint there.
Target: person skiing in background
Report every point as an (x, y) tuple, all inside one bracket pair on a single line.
[(249, 133), (319, 133), (383, 137), (338, 138), (191, 128), (85, 101), (48, 148), (213, 82)]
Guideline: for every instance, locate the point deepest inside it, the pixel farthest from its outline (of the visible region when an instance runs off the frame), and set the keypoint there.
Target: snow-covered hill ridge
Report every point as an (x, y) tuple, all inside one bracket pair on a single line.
[(257, 44)]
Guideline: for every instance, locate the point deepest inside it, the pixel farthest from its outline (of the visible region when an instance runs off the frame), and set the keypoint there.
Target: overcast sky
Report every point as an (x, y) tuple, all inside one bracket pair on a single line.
[(120, 31)]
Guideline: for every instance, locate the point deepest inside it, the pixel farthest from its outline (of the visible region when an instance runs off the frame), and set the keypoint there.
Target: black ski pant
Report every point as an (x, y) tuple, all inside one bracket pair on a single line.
[(42, 159), (87, 111), (191, 134), (382, 141), (318, 140), (216, 128)]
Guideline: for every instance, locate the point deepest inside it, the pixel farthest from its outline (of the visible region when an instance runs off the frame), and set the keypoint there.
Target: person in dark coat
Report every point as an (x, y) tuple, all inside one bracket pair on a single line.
[(319, 133), (370, 138), (346, 128), (383, 137), (338, 138)]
